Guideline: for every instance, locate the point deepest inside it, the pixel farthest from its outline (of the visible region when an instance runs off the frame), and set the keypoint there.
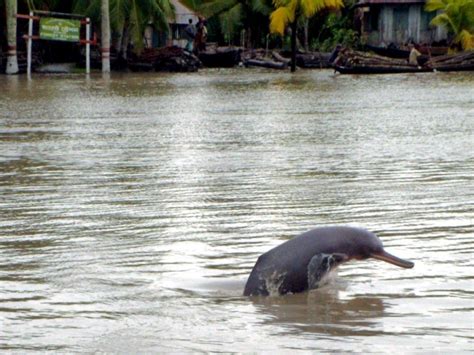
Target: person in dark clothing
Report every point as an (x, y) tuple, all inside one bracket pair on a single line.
[(189, 34), (201, 36)]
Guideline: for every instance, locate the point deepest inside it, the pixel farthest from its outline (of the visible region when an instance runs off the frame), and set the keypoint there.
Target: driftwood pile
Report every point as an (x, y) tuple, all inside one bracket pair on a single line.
[(365, 62), (354, 62), (170, 59), (261, 58), (455, 62), (281, 60)]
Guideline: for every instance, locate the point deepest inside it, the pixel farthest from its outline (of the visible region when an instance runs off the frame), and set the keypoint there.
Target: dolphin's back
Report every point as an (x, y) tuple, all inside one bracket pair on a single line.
[(283, 269)]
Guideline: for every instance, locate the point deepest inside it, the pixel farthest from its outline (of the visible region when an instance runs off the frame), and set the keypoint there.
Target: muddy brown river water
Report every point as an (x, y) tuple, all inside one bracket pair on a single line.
[(132, 209)]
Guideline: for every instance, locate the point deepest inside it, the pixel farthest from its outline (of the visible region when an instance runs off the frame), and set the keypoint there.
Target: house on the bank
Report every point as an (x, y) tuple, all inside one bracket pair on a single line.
[(398, 21), (154, 38)]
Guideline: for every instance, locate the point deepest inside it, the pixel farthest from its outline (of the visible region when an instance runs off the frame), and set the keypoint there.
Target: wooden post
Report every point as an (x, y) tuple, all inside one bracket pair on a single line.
[(29, 44), (88, 46)]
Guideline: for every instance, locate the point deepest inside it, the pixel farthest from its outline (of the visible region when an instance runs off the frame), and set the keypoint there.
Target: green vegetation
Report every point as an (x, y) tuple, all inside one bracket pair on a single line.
[(251, 23), (236, 17), (288, 12), (458, 17), (244, 22), (336, 29)]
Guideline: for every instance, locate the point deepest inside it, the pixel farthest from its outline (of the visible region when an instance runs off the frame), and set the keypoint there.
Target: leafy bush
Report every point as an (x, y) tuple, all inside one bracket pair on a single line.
[(337, 29)]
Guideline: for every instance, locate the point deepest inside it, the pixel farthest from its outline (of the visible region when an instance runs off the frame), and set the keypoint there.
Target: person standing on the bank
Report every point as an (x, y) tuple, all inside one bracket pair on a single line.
[(189, 34), (414, 54), (201, 35)]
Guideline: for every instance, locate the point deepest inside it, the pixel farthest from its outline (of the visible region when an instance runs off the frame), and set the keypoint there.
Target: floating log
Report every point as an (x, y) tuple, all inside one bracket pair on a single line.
[(279, 58), (309, 60), (220, 57), (265, 64), (313, 60), (388, 51), (455, 62), (258, 58)]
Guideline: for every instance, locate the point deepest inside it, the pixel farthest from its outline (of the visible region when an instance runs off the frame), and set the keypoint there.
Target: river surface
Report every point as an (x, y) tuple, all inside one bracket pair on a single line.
[(133, 207)]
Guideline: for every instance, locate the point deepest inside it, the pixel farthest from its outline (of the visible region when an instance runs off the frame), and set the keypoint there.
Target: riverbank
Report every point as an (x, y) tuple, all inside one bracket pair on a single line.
[(175, 59)]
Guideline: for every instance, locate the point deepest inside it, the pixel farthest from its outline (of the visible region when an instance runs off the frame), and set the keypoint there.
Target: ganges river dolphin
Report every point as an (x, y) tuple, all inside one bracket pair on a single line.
[(302, 263)]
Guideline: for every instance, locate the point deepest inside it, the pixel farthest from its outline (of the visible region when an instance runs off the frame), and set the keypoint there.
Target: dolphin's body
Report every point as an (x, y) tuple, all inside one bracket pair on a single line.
[(302, 262)]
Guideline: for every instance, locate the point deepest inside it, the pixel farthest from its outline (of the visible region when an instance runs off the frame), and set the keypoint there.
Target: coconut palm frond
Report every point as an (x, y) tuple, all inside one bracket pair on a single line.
[(333, 4), (279, 19), (87, 8), (166, 7), (281, 3), (161, 13), (261, 6), (136, 25), (443, 20), (468, 12), (192, 4), (458, 18), (216, 7), (231, 19), (118, 9), (47, 5), (434, 5), (466, 39)]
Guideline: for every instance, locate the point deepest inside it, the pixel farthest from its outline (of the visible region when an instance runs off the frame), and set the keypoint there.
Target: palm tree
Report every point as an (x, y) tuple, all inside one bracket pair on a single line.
[(458, 17), (130, 16), (287, 13), (12, 60), (47, 5), (236, 14), (105, 38)]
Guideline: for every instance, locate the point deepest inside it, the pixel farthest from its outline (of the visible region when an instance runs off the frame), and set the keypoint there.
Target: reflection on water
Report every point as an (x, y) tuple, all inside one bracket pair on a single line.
[(323, 312), (134, 207)]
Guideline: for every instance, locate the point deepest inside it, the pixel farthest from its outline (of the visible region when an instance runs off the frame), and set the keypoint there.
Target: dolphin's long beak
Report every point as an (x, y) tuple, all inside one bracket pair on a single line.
[(392, 259)]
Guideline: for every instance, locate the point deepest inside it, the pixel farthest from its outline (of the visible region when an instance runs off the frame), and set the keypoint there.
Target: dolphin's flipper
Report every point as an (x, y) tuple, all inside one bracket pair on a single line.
[(320, 265)]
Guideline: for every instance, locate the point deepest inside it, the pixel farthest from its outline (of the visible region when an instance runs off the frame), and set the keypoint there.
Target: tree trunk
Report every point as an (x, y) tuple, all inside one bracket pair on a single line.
[(306, 40), (105, 35), (12, 60), (293, 45), (248, 34), (118, 40), (125, 42)]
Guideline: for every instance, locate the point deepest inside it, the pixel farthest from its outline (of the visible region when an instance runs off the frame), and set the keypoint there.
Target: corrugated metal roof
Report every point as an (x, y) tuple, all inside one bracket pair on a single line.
[(388, 2)]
